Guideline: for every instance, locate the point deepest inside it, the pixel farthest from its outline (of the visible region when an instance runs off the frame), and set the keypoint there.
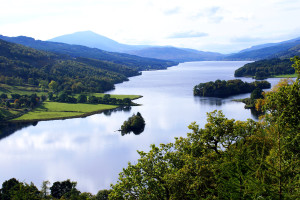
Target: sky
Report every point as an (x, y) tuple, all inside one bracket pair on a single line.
[(224, 26)]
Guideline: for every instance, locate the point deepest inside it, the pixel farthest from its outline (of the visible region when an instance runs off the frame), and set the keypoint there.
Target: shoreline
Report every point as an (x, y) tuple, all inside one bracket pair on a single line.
[(66, 108), (60, 118)]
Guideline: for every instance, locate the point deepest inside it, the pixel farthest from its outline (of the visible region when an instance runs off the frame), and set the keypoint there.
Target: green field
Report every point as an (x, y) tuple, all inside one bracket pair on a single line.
[(286, 76), (55, 110)]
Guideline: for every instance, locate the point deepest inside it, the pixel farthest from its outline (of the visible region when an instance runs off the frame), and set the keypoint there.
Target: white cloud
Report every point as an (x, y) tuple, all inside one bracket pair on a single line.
[(154, 21), (189, 34)]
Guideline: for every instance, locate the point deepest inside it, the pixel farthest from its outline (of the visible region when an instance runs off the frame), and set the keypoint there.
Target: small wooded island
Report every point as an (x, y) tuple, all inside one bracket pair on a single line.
[(135, 124), (227, 88)]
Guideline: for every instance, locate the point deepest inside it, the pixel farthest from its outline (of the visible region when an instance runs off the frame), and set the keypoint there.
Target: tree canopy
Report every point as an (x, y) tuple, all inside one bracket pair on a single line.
[(227, 88), (135, 124)]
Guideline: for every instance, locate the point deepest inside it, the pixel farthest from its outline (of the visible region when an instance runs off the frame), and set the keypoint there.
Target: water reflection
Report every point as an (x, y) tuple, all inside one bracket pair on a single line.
[(209, 101), (122, 108), (8, 128)]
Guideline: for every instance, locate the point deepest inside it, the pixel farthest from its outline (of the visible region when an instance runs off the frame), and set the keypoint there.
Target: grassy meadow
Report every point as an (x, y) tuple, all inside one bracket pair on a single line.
[(55, 110), (286, 76)]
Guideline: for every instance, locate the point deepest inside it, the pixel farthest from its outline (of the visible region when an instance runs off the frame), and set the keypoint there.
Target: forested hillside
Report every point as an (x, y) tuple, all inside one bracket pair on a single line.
[(22, 65), (76, 51), (266, 68)]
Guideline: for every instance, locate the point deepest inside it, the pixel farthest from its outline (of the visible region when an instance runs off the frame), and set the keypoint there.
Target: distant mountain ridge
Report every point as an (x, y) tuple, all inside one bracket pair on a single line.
[(132, 61), (91, 39), (177, 54), (94, 40), (268, 51)]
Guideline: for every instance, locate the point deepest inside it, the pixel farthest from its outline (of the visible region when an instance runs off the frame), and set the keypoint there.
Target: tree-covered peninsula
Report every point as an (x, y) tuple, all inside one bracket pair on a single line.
[(266, 68), (227, 88)]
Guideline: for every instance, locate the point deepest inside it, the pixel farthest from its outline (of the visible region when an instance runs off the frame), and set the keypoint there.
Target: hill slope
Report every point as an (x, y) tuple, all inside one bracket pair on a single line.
[(176, 54), (83, 51), (93, 40), (90, 39), (267, 51), (22, 65)]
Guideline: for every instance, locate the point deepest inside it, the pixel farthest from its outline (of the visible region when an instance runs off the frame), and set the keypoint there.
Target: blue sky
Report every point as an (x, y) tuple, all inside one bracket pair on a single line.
[(211, 25)]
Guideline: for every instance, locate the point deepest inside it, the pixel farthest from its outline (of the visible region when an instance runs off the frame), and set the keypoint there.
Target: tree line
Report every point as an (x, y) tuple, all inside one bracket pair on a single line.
[(224, 88), (82, 98), (14, 189)]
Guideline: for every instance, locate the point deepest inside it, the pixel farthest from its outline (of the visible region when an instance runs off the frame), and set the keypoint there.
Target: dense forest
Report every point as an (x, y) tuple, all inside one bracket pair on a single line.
[(21, 65), (77, 51), (227, 88), (266, 68)]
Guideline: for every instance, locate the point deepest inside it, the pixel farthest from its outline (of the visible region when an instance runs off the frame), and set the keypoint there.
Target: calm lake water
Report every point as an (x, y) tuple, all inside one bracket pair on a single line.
[(90, 150)]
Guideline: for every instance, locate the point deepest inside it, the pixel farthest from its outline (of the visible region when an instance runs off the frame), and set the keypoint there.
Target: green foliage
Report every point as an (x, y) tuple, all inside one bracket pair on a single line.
[(102, 195), (265, 68), (64, 189), (135, 124), (226, 88)]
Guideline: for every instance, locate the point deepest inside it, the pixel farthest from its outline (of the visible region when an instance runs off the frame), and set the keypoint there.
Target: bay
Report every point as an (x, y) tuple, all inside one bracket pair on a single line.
[(92, 152)]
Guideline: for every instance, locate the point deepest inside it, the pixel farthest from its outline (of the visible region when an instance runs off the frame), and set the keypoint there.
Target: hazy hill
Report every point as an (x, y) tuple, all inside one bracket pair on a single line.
[(267, 51), (21, 65), (83, 51), (91, 39), (176, 54)]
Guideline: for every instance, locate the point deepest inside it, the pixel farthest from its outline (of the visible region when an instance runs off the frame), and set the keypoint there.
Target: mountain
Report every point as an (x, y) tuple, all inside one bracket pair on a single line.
[(267, 51), (21, 65), (91, 39), (94, 53), (176, 54)]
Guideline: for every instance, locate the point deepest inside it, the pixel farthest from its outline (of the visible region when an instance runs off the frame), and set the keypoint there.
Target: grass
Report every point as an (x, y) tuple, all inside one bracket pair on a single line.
[(55, 110), (285, 76)]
